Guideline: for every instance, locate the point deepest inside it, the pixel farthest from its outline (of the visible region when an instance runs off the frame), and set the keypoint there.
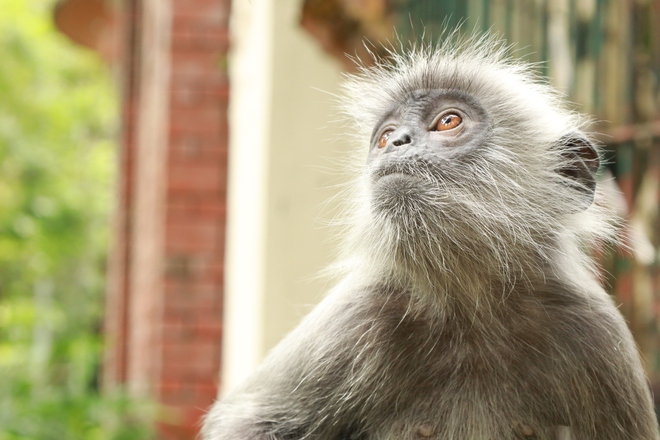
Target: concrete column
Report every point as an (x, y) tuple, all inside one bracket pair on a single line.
[(284, 165)]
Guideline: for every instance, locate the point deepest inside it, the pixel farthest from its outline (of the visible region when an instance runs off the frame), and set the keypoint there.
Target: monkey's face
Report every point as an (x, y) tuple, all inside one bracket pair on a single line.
[(421, 148), (440, 164), (420, 143), (469, 155), (430, 127)]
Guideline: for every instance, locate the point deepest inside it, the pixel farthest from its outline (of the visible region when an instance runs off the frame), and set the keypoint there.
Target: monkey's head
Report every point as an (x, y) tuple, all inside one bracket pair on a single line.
[(473, 163)]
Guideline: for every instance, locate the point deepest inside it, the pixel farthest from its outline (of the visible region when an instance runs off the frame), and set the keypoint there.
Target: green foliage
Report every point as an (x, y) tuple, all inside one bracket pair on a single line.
[(58, 123)]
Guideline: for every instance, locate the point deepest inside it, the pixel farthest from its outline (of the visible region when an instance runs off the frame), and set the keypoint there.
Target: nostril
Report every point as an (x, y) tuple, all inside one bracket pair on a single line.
[(401, 140)]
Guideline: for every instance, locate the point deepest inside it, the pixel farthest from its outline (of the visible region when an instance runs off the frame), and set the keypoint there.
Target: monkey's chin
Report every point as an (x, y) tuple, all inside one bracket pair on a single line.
[(394, 190), (391, 179), (397, 185)]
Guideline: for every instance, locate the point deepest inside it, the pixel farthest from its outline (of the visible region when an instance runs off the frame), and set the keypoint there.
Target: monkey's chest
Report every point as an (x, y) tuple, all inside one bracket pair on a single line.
[(485, 411), (448, 386)]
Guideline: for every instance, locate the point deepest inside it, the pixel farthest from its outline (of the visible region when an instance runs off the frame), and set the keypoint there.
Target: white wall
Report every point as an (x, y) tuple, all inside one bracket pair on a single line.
[(283, 167)]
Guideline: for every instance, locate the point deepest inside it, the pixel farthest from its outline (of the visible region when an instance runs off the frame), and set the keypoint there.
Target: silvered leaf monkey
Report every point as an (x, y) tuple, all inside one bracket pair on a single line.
[(468, 307)]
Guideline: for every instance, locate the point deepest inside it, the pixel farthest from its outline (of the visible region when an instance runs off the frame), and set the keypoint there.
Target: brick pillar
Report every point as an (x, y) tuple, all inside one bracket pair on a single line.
[(165, 287), (195, 210)]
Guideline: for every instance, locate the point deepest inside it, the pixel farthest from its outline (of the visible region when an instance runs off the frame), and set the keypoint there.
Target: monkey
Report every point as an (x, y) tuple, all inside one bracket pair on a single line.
[(468, 304)]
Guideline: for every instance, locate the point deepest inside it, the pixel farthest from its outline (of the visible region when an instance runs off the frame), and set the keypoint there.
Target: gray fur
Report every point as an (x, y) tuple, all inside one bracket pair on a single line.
[(467, 307)]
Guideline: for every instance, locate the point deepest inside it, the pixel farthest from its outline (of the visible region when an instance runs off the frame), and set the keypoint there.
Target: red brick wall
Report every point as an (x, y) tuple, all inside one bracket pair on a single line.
[(164, 332)]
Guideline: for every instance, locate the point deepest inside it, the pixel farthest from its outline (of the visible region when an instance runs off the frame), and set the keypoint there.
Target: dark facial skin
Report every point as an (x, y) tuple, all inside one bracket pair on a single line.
[(422, 129)]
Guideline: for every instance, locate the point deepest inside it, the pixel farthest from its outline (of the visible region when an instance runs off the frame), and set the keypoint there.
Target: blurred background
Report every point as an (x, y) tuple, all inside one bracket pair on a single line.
[(169, 169)]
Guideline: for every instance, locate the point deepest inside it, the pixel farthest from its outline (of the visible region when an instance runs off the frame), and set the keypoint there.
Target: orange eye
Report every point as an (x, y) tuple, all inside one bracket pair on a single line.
[(448, 121), (382, 141)]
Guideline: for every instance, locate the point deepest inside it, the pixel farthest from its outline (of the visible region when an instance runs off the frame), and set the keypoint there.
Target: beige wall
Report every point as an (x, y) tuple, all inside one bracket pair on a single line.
[(284, 167), (147, 250)]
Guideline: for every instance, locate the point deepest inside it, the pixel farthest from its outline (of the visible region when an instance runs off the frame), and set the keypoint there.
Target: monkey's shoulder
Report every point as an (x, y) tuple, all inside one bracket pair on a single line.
[(536, 357), (367, 364), (517, 340), (554, 321), (382, 334)]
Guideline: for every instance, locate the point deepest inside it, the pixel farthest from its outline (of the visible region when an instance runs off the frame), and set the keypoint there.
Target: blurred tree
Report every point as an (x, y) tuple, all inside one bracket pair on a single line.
[(58, 118)]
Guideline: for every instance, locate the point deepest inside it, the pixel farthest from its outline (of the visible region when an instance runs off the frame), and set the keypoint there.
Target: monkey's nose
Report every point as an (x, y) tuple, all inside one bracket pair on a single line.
[(400, 137)]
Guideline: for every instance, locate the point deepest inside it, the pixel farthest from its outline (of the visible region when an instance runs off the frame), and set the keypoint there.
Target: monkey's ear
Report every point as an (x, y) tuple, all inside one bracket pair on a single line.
[(581, 162)]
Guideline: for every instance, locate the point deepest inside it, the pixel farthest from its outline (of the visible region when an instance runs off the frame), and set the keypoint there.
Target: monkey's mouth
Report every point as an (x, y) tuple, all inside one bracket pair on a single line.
[(398, 170)]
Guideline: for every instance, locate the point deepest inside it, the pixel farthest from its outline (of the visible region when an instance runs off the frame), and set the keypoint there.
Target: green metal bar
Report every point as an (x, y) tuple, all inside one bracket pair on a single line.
[(450, 9), (596, 51), (544, 45), (507, 23), (573, 37), (485, 15), (462, 12)]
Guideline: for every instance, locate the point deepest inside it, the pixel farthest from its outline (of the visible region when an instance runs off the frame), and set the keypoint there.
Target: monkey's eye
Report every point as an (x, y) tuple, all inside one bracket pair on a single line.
[(448, 121), (382, 141)]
